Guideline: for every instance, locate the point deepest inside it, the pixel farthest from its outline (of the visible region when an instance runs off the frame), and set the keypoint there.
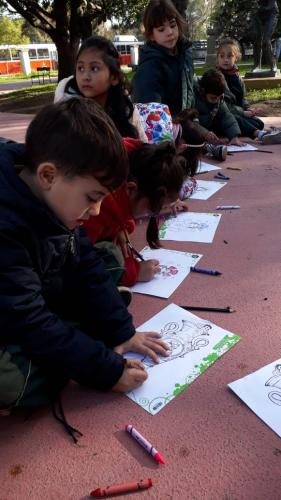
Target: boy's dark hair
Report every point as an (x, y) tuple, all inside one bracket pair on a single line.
[(118, 105), (159, 174), (159, 11), (80, 139), (213, 82), (192, 135)]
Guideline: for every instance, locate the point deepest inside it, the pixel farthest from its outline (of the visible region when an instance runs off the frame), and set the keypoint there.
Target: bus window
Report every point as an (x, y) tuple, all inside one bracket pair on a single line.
[(4, 55), (43, 53), (32, 54), (15, 54)]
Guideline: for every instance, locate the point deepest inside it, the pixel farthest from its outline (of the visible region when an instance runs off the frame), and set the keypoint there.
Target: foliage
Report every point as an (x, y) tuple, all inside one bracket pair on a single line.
[(197, 14), (235, 18), (11, 31), (127, 15), (34, 35), (66, 22)]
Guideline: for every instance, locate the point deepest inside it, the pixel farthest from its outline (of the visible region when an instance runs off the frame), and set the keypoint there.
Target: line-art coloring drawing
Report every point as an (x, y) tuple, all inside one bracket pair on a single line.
[(182, 338), (194, 345), (191, 226), (183, 225), (201, 189), (275, 381), (167, 271)]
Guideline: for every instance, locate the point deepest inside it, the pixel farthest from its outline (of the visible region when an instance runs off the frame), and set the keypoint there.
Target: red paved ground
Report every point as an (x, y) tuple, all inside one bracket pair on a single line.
[(215, 447)]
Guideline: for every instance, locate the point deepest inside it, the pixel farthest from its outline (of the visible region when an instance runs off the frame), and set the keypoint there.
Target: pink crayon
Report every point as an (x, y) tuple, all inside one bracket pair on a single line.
[(145, 444)]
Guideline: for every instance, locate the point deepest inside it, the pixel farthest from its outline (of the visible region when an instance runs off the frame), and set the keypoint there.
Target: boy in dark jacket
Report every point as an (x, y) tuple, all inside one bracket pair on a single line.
[(61, 316), (214, 114)]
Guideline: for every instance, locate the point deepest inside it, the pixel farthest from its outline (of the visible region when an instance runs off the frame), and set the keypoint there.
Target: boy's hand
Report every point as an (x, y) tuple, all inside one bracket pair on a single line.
[(148, 269), (255, 111), (249, 113), (132, 377), (212, 138), (147, 344), (237, 142)]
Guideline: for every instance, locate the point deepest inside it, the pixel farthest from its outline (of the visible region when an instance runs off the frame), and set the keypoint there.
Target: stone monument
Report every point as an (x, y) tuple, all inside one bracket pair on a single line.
[(264, 22), (211, 56)]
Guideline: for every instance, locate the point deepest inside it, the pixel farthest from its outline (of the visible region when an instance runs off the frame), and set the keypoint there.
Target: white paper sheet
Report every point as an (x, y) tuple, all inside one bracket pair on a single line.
[(206, 167), (246, 147), (261, 391), (190, 226), (206, 189), (175, 266), (195, 344)]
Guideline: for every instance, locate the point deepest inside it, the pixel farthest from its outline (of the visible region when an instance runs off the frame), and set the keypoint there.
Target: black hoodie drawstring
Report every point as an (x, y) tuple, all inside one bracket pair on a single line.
[(61, 418)]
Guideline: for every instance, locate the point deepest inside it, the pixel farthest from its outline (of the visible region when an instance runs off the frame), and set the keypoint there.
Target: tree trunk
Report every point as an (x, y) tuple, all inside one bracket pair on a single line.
[(66, 58), (66, 40), (181, 6)]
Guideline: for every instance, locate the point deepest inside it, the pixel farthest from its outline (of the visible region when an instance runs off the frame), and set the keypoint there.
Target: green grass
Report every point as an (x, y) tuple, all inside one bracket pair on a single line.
[(264, 94), (29, 92), (36, 95), (19, 77)]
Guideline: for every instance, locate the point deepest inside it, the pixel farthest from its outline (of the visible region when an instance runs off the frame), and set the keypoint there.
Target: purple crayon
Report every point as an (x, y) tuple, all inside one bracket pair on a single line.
[(205, 271)]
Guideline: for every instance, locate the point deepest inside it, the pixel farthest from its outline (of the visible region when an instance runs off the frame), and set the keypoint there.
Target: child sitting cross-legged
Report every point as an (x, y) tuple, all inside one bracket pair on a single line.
[(214, 114), (155, 177), (61, 315), (228, 55)]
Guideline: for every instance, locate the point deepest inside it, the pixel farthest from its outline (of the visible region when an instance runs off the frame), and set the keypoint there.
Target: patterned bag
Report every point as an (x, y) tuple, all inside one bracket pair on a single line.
[(157, 122)]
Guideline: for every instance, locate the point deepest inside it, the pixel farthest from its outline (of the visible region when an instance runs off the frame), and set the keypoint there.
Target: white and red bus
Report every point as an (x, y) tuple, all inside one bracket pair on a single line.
[(45, 54), (128, 48), (40, 54)]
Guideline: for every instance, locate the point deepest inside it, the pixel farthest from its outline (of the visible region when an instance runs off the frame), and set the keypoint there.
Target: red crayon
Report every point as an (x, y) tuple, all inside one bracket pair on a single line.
[(116, 489)]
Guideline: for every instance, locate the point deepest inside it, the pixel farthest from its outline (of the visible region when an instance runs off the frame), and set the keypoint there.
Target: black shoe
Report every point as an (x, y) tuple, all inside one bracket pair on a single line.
[(218, 152)]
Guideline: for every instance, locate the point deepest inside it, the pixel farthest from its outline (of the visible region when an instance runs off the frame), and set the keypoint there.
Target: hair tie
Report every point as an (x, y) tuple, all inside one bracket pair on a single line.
[(196, 145)]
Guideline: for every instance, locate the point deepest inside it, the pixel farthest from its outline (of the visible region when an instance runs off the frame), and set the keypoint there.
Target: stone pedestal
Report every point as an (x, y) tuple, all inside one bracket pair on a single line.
[(211, 50), (262, 73)]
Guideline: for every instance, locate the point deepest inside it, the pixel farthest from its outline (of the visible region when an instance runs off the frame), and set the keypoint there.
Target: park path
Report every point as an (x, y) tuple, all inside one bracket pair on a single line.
[(215, 447)]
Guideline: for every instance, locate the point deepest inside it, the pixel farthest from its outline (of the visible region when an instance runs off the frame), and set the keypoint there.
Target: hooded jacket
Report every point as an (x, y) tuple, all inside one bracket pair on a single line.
[(165, 77), (216, 117), (235, 92), (48, 275)]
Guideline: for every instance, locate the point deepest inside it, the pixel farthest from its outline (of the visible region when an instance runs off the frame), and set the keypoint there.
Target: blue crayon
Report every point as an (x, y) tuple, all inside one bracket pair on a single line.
[(205, 271), (221, 176)]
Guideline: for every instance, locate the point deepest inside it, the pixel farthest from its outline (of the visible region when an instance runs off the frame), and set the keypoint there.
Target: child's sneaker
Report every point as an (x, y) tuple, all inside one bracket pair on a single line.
[(218, 152), (273, 137), (126, 294)]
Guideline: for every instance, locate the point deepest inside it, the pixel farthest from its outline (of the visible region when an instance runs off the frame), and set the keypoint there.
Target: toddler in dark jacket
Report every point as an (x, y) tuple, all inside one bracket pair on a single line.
[(214, 114), (61, 316)]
